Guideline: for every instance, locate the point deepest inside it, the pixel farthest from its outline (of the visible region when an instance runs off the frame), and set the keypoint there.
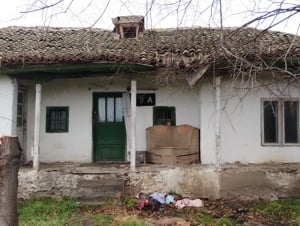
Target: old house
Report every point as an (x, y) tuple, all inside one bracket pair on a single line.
[(94, 96)]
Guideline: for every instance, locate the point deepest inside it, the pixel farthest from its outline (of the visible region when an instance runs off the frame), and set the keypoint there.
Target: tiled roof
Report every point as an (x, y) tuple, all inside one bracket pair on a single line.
[(177, 48)]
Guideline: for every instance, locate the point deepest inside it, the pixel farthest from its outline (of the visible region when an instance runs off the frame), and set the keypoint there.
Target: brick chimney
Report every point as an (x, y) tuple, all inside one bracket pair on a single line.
[(128, 26)]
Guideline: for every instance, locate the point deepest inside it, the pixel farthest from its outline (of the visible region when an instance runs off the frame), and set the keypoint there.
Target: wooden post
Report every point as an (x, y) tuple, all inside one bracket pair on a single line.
[(36, 138), (133, 124), (10, 155), (218, 121)]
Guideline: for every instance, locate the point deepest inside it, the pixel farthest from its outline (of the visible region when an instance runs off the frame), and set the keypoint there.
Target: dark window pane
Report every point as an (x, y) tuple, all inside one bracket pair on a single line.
[(129, 32), (291, 124), (19, 121), (20, 97), (270, 121), (162, 115), (57, 119), (20, 109)]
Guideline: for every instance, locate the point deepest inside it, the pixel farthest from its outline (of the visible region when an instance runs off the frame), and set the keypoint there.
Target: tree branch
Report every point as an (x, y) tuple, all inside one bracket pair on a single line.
[(42, 8)]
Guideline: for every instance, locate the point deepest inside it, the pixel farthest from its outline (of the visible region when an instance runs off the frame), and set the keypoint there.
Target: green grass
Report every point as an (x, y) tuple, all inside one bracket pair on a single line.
[(130, 202), (96, 219), (66, 211), (46, 211), (284, 209), (206, 219), (134, 223)]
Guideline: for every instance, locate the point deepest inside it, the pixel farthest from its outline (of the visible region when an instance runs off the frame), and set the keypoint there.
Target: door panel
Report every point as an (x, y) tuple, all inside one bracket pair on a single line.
[(109, 129)]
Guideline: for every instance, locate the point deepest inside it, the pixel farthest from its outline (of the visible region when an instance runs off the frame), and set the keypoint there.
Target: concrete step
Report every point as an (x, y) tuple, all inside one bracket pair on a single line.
[(100, 190)]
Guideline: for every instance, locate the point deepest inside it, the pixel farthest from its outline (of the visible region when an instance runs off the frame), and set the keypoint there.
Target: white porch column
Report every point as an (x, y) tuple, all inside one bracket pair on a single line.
[(133, 124), (37, 116), (218, 121)]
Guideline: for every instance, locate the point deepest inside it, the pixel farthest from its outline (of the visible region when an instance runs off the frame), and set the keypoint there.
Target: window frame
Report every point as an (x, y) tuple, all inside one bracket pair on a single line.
[(105, 96), (20, 108), (281, 121), (173, 114), (50, 109)]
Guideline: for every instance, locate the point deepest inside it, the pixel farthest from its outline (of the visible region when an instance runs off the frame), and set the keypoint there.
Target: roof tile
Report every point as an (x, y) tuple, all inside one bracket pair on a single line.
[(47, 45)]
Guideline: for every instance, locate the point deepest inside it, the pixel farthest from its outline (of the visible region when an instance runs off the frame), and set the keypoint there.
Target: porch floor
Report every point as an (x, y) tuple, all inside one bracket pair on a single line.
[(146, 167)]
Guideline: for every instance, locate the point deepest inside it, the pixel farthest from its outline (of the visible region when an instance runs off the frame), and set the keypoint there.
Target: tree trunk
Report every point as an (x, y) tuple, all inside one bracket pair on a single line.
[(10, 155)]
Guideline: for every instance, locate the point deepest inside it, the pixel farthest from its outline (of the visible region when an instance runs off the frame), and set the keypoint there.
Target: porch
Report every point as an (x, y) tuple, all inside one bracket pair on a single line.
[(95, 182)]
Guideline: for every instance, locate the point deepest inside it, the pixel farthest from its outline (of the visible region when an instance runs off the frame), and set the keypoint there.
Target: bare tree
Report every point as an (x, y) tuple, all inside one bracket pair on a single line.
[(10, 155), (262, 14), (266, 14)]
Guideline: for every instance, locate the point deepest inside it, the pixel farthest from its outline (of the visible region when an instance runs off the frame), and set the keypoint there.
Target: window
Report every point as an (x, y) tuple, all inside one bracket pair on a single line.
[(280, 122), (20, 108), (130, 32), (57, 119), (110, 109), (163, 115)]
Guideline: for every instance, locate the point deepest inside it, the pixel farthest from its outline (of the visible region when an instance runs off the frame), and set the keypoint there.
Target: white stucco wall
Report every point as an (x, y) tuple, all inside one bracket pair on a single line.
[(76, 145), (186, 103), (8, 106), (240, 118), (241, 123)]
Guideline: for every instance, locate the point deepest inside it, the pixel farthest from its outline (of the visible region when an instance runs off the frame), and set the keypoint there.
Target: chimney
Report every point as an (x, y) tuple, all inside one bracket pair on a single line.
[(128, 26)]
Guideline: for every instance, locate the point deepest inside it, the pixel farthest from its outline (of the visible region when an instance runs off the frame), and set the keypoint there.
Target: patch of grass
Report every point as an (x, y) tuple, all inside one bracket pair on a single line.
[(204, 219), (134, 223), (66, 211), (207, 219), (130, 202), (97, 219), (287, 210), (270, 208), (125, 220), (224, 222), (46, 211), (294, 206)]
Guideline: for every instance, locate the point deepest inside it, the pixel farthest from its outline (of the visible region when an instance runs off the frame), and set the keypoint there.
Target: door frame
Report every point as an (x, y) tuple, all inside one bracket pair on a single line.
[(96, 95)]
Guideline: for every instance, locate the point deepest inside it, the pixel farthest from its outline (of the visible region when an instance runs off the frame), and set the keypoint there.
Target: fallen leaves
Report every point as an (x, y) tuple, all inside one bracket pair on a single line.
[(231, 212)]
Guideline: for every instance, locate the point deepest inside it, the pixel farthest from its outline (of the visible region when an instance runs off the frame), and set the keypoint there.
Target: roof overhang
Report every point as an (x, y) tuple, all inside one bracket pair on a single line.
[(56, 71)]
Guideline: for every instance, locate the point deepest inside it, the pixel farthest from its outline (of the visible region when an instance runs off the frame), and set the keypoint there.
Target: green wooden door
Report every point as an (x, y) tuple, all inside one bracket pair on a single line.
[(109, 128)]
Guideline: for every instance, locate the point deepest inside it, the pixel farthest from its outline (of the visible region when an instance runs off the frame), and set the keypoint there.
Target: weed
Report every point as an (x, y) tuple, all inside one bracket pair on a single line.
[(287, 210), (203, 219), (175, 194), (129, 202)]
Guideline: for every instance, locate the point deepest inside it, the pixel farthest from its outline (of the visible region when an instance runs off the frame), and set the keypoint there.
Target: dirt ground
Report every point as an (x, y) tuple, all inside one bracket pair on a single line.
[(230, 212)]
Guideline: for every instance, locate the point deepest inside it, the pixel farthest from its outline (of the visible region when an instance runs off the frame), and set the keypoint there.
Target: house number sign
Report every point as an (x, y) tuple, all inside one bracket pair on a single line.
[(145, 99)]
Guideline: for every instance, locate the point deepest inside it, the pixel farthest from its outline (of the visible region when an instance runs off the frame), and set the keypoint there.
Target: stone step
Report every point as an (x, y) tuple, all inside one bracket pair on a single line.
[(100, 190)]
